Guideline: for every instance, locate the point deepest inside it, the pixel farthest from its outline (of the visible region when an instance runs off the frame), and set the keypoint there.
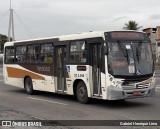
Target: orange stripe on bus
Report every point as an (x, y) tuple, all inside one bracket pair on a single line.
[(19, 73)]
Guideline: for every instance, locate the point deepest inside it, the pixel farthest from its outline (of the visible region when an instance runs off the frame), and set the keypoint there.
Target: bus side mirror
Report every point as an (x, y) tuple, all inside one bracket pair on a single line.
[(105, 50)]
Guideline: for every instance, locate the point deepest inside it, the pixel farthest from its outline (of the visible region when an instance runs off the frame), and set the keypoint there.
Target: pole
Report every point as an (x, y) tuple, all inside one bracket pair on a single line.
[(10, 4), (11, 25)]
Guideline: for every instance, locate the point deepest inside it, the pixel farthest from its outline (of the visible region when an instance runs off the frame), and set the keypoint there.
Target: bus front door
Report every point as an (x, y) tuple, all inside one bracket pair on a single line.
[(60, 68), (96, 64)]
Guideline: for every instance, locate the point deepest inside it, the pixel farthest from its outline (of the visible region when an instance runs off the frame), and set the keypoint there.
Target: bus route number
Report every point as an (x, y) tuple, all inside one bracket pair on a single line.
[(78, 75)]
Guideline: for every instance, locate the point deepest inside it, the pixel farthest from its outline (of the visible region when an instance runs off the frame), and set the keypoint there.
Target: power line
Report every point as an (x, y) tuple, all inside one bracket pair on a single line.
[(11, 24), (3, 15), (31, 34)]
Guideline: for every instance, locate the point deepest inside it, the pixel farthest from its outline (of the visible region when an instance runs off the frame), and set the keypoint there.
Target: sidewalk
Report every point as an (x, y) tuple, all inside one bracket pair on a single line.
[(8, 115)]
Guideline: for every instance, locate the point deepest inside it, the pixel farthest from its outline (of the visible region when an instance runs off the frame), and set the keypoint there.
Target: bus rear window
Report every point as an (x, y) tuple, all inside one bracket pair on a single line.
[(9, 55)]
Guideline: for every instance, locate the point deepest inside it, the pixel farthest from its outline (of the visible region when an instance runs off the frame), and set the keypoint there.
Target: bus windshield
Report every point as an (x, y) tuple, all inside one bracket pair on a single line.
[(126, 58)]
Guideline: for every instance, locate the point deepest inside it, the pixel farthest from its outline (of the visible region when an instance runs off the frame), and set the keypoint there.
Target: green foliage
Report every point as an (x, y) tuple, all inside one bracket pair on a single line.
[(3, 40), (132, 25)]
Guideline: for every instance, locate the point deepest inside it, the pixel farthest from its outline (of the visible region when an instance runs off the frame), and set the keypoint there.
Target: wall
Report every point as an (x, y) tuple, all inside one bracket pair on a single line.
[(158, 33)]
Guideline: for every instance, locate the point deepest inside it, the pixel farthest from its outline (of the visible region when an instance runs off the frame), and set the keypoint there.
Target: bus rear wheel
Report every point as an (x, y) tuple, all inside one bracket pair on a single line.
[(28, 86), (81, 93)]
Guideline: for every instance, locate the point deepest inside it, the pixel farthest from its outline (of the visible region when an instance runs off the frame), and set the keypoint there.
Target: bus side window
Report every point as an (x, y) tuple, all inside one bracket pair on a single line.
[(9, 55), (33, 54), (46, 53), (21, 54), (78, 52)]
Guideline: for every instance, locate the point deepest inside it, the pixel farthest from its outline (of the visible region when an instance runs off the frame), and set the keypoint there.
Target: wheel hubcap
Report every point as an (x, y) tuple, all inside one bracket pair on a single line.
[(28, 86), (82, 93)]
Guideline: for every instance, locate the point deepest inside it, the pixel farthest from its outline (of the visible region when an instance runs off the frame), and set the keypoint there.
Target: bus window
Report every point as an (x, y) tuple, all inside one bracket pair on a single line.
[(78, 52), (20, 54), (117, 57), (46, 55), (9, 55), (33, 54)]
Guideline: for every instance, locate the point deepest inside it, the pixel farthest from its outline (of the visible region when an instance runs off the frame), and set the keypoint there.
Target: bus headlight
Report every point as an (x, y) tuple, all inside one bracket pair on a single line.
[(113, 83), (153, 80), (111, 79), (150, 81)]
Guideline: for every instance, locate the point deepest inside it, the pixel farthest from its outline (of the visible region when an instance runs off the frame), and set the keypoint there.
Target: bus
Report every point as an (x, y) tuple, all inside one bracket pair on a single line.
[(108, 65)]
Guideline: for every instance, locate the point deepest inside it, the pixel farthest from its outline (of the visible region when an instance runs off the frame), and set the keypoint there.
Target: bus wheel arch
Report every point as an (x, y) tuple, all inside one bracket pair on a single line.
[(80, 91), (28, 85)]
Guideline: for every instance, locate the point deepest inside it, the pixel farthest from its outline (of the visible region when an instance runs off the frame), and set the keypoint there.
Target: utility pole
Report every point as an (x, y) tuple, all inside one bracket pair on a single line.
[(11, 25)]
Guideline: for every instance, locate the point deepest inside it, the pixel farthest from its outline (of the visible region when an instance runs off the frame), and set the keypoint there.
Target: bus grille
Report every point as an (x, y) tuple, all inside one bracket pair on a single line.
[(135, 86)]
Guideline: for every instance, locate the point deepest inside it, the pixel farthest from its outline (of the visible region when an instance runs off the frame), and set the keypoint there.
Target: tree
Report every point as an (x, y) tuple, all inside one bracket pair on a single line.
[(132, 25), (3, 40)]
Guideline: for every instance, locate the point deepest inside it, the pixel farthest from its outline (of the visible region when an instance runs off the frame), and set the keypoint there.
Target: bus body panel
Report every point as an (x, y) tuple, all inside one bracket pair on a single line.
[(74, 75), (46, 84), (45, 77)]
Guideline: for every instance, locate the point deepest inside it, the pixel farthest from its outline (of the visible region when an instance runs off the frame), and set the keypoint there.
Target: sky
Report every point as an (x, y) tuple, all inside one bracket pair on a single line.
[(47, 18)]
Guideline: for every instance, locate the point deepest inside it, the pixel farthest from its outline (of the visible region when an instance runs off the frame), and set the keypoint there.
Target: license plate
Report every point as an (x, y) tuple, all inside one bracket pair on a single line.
[(136, 92)]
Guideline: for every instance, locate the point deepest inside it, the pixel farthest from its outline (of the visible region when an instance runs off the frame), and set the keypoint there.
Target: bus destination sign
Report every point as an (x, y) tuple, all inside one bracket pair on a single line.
[(127, 35)]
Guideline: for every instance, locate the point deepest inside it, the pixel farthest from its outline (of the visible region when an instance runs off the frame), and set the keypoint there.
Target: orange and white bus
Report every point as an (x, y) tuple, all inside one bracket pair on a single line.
[(111, 65)]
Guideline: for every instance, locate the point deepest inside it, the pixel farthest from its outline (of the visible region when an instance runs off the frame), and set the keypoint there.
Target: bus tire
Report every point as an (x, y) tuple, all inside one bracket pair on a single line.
[(28, 86), (81, 93)]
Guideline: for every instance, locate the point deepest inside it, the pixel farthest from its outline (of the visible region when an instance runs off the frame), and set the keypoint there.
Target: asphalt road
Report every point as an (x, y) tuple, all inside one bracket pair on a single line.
[(16, 105)]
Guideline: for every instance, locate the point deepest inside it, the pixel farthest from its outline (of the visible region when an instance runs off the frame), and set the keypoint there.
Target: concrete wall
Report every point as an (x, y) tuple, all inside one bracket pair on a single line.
[(152, 35), (158, 33)]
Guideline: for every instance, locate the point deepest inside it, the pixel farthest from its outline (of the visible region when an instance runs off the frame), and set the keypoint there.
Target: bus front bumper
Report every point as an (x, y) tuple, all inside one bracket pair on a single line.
[(115, 93)]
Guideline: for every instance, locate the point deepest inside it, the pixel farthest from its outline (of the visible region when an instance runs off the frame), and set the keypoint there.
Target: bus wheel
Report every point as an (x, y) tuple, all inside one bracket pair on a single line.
[(81, 93), (28, 86)]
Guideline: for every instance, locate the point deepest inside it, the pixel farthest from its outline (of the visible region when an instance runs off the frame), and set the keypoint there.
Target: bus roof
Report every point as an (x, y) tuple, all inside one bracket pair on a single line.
[(76, 36)]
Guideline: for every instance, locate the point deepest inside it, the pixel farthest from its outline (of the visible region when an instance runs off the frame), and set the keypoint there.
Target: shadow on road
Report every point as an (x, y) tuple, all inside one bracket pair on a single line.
[(94, 102), (121, 104)]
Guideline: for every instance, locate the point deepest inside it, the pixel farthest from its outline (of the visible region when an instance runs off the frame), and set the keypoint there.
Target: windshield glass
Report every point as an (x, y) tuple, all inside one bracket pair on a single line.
[(130, 58)]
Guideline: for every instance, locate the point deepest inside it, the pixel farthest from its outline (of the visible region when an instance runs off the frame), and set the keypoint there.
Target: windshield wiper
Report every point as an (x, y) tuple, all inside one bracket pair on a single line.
[(138, 50)]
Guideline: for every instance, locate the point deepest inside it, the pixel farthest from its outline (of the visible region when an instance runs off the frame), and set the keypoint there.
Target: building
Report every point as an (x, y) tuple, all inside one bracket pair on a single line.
[(158, 33), (158, 41), (154, 35)]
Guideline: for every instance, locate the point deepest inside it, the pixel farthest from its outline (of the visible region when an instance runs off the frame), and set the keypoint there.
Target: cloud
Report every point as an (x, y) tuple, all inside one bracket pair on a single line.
[(154, 17), (120, 18), (35, 4), (56, 17)]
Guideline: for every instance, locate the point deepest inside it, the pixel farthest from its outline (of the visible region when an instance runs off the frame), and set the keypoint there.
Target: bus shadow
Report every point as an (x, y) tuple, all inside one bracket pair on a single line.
[(120, 104), (94, 102), (46, 95), (55, 96), (97, 102)]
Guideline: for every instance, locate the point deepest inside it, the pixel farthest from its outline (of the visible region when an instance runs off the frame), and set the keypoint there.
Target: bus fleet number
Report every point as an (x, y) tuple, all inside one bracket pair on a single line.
[(78, 75)]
